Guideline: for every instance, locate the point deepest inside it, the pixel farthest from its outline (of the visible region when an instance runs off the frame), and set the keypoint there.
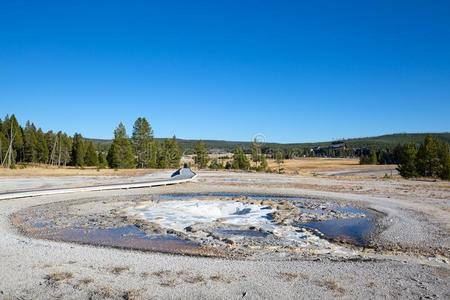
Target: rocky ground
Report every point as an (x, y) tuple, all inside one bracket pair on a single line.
[(408, 257)]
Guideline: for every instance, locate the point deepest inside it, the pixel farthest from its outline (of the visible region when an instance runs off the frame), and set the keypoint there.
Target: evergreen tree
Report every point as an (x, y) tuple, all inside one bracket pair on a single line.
[(13, 133), (279, 159), (256, 153), (428, 163), (373, 157), (18, 138), (153, 157), (30, 143), (78, 150), (102, 163), (64, 149), (120, 154), (240, 160), (90, 157), (41, 147), (3, 143), (142, 140), (263, 165), (162, 157), (175, 153), (215, 164), (52, 144), (168, 154), (444, 160), (201, 157), (407, 161)]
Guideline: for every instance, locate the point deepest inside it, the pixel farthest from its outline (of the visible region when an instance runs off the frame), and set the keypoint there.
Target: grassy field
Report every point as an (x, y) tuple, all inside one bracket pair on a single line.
[(330, 166), (292, 166), (315, 164)]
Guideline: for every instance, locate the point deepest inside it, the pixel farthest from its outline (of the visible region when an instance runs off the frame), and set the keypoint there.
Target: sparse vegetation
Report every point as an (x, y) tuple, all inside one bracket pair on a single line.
[(201, 155), (240, 160), (58, 277)]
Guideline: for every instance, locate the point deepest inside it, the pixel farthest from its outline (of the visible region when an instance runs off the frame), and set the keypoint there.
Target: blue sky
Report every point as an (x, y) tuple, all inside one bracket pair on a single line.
[(293, 71)]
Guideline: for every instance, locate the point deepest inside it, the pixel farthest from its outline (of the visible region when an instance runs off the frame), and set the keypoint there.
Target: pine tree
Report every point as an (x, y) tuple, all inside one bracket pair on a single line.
[(279, 159), (263, 165), (90, 157), (102, 163), (373, 157), (175, 152), (215, 164), (240, 160), (153, 157), (201, 157), (256, 153), (18, 138), (162, 159), (78, 150), (444, 160), (13, 133), (30, 143), (41, 147), (3, 143), (407, 161), (64, 149), (142, 140), (168, 154), (120, 154), (428, 164)]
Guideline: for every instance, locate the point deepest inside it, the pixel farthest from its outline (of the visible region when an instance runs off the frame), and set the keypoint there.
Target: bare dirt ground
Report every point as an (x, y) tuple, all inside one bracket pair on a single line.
[(409, 257)]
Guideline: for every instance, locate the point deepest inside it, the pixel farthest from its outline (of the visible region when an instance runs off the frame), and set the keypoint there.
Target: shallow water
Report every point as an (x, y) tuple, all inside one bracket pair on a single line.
[(247, 233), (127, 237), (352, 230), (232, 219)]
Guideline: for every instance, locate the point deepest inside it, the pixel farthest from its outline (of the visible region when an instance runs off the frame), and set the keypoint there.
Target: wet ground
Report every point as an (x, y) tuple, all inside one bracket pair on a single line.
[(314, 223), (355, 228)]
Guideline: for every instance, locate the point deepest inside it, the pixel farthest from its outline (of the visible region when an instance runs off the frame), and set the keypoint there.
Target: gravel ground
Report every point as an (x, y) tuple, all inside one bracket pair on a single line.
[(411, 258)]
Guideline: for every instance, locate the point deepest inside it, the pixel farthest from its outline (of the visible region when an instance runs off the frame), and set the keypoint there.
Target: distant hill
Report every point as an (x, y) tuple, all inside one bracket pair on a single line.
[(382, 141)]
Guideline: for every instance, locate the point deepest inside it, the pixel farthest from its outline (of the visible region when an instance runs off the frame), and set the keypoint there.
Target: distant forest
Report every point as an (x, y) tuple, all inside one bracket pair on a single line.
[(29, 144), (377, 142)]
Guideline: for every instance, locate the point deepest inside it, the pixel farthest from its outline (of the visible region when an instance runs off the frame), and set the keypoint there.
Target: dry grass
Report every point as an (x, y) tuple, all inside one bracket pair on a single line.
[(85, 281), (40, 171), (332, 286), (131, 295), (287, 276), (167, 283), (119, 270), (315, 164), (58, 277), (102, 293), (194, 279), (161, 273)]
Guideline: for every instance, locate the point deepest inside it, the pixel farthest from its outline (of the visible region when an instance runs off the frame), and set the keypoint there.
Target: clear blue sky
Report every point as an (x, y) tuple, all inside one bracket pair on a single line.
[(292, 70)]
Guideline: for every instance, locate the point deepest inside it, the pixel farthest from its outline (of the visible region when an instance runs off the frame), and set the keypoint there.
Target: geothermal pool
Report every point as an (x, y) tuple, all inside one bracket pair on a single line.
[(178, 215), (204, 224)]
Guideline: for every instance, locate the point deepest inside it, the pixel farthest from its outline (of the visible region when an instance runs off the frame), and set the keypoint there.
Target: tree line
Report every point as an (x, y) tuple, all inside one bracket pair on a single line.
[(240, 160), (430, 159), (31, 145)]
